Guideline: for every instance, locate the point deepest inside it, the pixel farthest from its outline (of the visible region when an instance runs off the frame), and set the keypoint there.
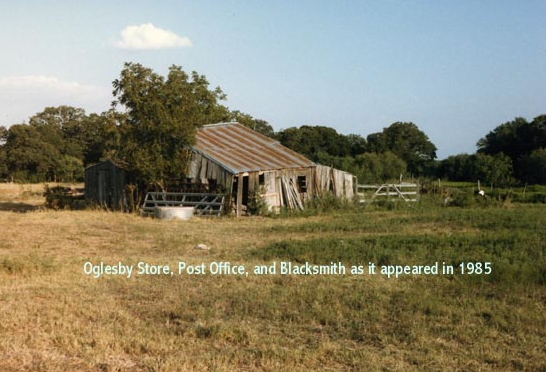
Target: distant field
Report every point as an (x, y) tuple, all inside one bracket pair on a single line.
[(523, 194), (18, 197), (55, 317), (11, 191)]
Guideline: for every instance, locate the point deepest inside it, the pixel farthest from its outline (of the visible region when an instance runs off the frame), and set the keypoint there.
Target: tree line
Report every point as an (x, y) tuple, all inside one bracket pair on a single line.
[(513, 153), (153, 120)]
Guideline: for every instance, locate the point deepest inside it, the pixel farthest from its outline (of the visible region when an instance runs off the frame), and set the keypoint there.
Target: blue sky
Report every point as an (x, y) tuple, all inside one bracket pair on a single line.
[(457, 69)]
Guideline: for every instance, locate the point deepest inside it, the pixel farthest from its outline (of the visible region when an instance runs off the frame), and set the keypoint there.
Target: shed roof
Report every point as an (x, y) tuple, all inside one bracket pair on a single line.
[(107, 162), (240, 149)]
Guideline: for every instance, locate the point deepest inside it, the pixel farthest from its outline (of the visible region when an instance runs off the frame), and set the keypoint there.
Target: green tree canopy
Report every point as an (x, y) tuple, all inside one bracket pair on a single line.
[(407, 142), (3, 134), (316, 141), (518, 139), (457, 168), (506, 139), (62, 127), (532, 167), (101, 138), (356, 144), (28, 157), (489, 169), (495, 170), (515, 138), (379, 167), (49, 148), (163, 115)]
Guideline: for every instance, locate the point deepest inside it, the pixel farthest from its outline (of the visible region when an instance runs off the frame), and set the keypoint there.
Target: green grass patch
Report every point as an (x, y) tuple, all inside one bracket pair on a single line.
[(513, 241)]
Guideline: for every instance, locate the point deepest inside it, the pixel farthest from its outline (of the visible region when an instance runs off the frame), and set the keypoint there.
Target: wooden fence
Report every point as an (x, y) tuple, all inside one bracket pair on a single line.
[(205, 204), (408, 192)]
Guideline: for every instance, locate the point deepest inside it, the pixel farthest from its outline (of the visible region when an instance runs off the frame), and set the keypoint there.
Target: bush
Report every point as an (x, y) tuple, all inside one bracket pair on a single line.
[(256, 203), (328, 202), (60, 197), (463, 200)]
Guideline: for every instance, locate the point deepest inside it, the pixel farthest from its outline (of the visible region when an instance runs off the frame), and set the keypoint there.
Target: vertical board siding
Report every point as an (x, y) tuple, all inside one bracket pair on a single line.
[(105, 185)]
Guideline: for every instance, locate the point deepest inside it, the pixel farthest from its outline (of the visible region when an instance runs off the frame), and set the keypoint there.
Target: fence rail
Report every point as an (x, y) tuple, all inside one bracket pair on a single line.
[(392, 191), (204, 203)]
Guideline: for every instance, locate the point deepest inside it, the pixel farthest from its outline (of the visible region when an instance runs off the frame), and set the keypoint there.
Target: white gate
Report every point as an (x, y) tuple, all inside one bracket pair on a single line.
[(408, 192)]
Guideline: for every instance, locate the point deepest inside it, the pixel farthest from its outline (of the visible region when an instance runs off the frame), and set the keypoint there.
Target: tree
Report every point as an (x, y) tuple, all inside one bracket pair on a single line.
[(3, 134), (495, 170), (507, 138), (517, 139), (102, 137), (408, 143), (379, 167), (62, 127), (69, 168), (28, 157), (356, 144), (58, 143), (163, 115), (312, 141), (532, 167), (456, 168)]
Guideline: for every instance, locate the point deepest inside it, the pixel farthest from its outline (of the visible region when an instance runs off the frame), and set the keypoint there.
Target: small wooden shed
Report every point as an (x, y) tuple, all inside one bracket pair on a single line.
[(105, 185), (244, 163)]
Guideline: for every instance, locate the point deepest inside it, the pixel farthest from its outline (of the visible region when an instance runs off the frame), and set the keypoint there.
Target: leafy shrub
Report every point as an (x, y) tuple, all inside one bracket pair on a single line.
[(463, 200), (257, 204)]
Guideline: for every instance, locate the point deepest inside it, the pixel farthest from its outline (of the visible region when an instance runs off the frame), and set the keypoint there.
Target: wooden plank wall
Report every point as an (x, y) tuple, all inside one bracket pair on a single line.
[(319, 180), (202, 168), (329, 179), (105, 185)]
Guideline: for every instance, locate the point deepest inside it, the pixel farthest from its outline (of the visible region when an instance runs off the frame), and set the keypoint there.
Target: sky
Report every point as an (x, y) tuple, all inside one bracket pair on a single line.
[(455, 68)]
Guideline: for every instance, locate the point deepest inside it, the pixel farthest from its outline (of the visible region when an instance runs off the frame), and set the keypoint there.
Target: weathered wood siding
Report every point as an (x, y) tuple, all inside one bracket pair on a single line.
[(275, 189), (342, 184), (290, 187), (105, 185), (268, 183), (202, 169)]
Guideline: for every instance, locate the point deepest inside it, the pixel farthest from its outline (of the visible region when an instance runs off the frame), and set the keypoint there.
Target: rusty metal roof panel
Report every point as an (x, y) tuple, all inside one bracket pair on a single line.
[(240, 149)]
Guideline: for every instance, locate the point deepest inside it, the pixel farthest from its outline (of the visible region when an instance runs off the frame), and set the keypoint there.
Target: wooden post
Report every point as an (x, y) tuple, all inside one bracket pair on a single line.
[(239, 195), (229, 186)]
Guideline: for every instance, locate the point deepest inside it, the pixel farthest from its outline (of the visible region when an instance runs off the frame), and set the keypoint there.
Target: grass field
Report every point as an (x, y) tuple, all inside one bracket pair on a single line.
[(55, 317)]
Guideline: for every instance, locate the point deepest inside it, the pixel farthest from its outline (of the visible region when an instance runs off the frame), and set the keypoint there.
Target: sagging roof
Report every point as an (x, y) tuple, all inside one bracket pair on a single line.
[(107, 162), (239, 149)]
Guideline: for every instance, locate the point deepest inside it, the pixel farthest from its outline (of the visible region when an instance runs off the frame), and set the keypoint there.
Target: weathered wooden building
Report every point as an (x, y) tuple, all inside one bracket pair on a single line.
[(242, 164), (105, 185), (245, 164)]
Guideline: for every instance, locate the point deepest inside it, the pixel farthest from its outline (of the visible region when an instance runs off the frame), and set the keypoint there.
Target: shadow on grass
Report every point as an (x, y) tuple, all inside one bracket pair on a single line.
[(18, 207)]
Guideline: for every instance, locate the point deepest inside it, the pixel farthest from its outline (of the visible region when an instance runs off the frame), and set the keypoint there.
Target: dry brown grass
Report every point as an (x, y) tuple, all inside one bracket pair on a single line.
[(55, 318), (16, 197)]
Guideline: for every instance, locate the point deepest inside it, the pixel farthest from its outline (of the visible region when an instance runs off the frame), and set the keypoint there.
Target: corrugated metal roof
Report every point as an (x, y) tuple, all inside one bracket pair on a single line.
[(240, 149)]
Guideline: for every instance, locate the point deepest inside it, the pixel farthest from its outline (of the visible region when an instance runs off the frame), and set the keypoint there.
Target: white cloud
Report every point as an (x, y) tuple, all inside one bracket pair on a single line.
[(23, 96), (147, 36)]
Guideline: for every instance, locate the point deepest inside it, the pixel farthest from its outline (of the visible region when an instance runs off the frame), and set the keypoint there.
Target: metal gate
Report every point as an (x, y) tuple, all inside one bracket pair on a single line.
[(407, 192), (204, 204)]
